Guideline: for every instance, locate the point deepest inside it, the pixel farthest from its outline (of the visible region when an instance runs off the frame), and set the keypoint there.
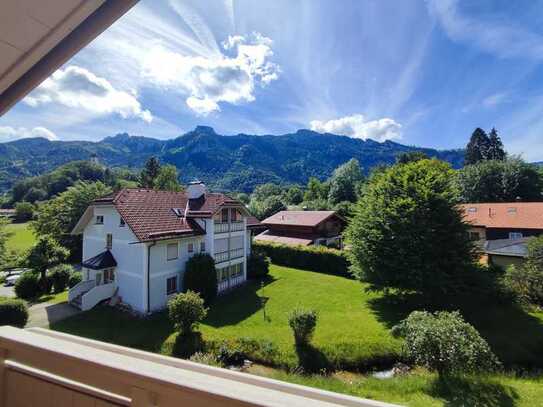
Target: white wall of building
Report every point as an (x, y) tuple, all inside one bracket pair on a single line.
[(126, 250)]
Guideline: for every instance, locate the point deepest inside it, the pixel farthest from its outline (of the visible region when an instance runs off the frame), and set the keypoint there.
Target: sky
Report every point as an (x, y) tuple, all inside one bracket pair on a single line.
[(423, 73)]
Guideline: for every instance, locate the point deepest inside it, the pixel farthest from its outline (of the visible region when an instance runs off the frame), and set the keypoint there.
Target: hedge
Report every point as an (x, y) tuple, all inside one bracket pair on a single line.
[(13, 312), (320, 259)]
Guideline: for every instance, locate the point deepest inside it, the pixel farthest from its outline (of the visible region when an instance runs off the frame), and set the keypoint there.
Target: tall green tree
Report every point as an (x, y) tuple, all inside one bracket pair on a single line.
[(407, 231), (477, 148), (344, 182), (500, 181), (294, 195), (167, 179), (46, 253), (495, 146), (150, 173), (410, 156), (316, 190), (58, 216)]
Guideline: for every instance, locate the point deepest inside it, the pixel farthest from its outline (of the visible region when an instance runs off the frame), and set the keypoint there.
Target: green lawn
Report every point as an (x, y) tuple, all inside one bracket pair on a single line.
[(23, 237), (352, 330)]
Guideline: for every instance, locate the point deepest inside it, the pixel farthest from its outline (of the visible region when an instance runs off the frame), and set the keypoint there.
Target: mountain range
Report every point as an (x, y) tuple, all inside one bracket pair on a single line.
[(234, 163)]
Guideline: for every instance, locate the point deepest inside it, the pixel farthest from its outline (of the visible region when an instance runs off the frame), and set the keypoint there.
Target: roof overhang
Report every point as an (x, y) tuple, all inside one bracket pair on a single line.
[(36, 40)]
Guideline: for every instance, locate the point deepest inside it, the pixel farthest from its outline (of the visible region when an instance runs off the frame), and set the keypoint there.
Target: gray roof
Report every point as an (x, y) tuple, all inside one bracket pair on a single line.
[(507, 247)]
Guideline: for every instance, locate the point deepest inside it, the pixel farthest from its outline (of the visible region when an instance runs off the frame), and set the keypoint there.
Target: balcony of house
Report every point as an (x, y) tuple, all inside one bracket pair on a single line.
[(224, 256), (47, 368), (227, 227)]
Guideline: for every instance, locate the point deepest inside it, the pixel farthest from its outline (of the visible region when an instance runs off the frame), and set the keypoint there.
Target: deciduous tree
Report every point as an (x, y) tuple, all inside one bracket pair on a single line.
[(408, 232)]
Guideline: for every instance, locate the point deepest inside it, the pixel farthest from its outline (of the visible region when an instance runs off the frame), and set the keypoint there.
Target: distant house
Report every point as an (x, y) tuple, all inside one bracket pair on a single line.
[(505, 252), (497, 221), (136, 243), (303, 228)]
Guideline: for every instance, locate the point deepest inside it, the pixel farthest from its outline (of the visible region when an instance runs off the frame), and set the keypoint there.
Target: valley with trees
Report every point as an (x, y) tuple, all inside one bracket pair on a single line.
[(408, 287)]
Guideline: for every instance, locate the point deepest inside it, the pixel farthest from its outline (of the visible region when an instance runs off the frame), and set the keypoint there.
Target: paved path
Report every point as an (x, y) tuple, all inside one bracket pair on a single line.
[(7, 291), (41, 315)]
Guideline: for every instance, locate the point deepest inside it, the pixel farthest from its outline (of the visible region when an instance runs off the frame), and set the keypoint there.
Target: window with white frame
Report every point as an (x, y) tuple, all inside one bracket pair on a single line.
[(171, 285), (109, 276), (99, 219), (172, 252), (191, 247), (122, 222), (236, 270), (515, 235), (202, 247), (109, 241)]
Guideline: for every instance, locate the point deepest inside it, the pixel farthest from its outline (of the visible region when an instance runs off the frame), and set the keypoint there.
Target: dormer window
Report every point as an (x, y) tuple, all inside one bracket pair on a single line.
[(511, 210), (122, 223), (99, 219), (178, 212)]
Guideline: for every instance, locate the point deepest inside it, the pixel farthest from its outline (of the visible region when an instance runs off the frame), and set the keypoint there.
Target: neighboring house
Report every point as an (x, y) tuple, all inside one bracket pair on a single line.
[(304, 228), (505, 252), (513, 220), (136, 243)]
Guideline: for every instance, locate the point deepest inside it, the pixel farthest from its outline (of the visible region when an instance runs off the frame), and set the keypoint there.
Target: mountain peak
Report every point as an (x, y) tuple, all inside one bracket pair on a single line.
[(205, 130)]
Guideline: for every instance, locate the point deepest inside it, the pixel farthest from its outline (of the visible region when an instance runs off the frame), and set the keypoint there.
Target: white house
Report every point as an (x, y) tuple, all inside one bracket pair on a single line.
[(136, 243)]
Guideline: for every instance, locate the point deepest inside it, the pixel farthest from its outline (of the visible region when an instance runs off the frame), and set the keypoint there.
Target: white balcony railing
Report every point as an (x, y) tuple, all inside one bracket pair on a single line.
[(229, 227), (222, 228), (228, 255)]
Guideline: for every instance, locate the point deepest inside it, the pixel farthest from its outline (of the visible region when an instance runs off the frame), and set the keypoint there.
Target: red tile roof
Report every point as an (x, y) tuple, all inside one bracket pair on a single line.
[(298, 218), (150, 213), (517, 215)]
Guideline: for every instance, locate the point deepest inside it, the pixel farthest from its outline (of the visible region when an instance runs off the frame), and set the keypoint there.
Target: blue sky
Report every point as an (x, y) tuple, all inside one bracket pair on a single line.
[(418, 72)]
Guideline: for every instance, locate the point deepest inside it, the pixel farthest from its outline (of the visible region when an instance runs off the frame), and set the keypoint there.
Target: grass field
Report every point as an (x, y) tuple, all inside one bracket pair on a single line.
[(352, 330), (22, 238)]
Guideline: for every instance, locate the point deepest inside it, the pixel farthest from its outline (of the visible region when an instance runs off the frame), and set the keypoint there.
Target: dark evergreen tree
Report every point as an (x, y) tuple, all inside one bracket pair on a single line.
[(477, 148), (495, 149), (150, 173)]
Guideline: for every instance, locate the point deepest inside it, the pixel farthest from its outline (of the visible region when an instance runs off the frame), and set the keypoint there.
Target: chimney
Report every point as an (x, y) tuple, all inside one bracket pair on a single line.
[(196, 189)]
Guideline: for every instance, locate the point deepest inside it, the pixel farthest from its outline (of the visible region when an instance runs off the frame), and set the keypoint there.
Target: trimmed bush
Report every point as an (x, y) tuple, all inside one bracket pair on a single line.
[(303, 324), (187, 344), (320, 259), (444, 342), (75, 278), (13, 312), (186, 310), (258, 264), (28, 286), (60, 276), (201, 276)]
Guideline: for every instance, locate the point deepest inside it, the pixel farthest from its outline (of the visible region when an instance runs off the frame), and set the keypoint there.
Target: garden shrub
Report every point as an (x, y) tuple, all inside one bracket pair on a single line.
[(524, 283), (231, 355), (24, 211), (205, 359), (75, 278), (13, 312), (258, 264), (320, 259), (444, 342), (28, 286), (60, 276), (303, 324), (187, 344), (258, 350), (201, 276), (186, 310)]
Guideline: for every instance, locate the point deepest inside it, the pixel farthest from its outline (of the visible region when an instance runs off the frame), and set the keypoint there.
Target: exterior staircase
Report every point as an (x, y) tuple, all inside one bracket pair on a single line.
[(87, 294)]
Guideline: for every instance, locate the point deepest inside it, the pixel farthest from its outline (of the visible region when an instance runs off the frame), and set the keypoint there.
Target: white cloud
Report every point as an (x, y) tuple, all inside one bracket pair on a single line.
[(495, 36), (210, 80), (356, 126), (494, 100), (78, 88), (8, 133)]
